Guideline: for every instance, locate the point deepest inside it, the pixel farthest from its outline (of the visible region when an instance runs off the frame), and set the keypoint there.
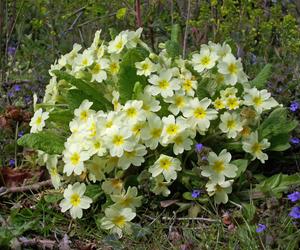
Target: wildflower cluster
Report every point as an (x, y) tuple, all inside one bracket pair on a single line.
[(150, 133)]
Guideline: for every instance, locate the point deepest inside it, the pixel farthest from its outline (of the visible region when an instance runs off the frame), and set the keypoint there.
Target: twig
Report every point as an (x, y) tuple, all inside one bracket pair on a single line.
[(74, 22), (187, 218), (43, 243), (31, 187), (138, 13), (186, 29)]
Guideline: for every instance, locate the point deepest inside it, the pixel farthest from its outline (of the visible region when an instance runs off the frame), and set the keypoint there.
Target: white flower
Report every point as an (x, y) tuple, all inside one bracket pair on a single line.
[(219, 190), (231, 124), (260, 99), (51, 165), (161, 186), (117, 220), (117, 45), (167, 166), (37, 122), (164, 84), (133, 112), (97, 146), (75, 200), (112, 186), (114, 64), (84, 112), (74, 157), (182, 142), (115, 100), (133, 37), (205, 60), (145, 67), (127, 199), (98, 70), (254, 147), (97, 168), (219, 167), (198, 114), (232, 69), (151, 134), (189, 85), (134, 157), (178, 102), (150, 104), (172, 128), (118, 141), (83, 60)]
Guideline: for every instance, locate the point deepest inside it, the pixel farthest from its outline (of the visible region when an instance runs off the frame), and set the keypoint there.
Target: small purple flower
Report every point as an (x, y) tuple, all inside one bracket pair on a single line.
[(295, 212), (293, 197), (295, 140), (11, 50), (204, 158), (27, 99), (10, 94), (198, 147), (261, 228), (12, 162), (196, 193), (294, 106), (17, 88), (20, 134)]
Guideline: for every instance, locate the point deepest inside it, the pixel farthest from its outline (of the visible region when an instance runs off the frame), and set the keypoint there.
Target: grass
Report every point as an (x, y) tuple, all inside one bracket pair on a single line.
[(37, 216)]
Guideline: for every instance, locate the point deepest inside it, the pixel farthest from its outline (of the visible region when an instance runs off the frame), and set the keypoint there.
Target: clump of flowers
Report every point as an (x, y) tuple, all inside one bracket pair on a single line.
[(150, 113)]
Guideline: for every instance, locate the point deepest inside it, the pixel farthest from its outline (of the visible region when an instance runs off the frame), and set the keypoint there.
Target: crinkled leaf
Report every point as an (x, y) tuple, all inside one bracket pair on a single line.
[(261, 79), (88, 91), (249, 211), (46, 141), (276, 123), (93, 191), (127, 74), (280, 142), (173, 48), (62, 116), (242, 166)]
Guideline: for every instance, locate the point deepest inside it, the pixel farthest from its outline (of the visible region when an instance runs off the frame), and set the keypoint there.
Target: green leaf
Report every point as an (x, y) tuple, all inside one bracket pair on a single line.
[(53, 198), (242, 166), (62, 116), (280, 142), (94, 191), (75, 97), (87, 90), (46, 141), (121, 13), (261, 79), (202, 91), (175, 33), (127, 74), (173, 48), (277, 184), (276, 123), (249, 211)]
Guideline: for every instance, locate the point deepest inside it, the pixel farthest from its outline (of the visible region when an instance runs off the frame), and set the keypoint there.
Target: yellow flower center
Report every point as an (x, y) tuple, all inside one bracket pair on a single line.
[(137, 128), (164, 84), (109, 124), (97, 145), (85, 62), (156, 132), (165, 164), (219, 104), (145, 66), (200, 113), (131, 112), (119, 221), (178, 140), (218, 166), (205, 60), (231, 124), (38, 120), (118, 140), (75, 158), (96, 69), (127, 201), (114, 68), (131, 154), (187, 85), (179, 101), (257, 100), (232, 103), (117, 184), (172, 129), (232, 68), (53, 171), (256, 148), (119, 45), (84, 115), (75, 200)]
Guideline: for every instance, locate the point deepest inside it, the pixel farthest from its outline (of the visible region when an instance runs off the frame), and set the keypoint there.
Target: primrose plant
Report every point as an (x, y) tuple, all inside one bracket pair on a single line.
[(125, 120)]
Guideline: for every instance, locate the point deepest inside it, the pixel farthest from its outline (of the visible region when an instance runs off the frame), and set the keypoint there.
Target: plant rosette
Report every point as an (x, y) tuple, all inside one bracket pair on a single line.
[(116, 110)]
